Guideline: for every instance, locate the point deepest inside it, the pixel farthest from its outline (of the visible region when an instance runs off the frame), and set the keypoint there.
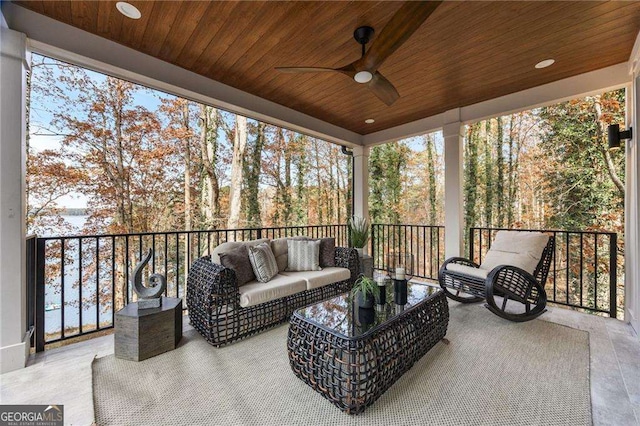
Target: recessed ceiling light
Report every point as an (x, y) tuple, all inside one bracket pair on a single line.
[(369, 121), (545, 63), (128, 10)]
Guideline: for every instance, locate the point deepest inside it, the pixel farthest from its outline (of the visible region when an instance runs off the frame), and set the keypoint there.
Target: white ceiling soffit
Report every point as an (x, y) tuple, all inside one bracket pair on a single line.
[(71, 44), (590, 83)]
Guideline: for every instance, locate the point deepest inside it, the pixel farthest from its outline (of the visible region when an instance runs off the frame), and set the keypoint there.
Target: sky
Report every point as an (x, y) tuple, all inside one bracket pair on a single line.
[(151, 99)]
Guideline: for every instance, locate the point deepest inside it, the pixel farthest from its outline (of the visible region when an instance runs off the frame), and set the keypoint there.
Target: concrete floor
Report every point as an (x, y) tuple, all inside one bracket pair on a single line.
[(63, 375)]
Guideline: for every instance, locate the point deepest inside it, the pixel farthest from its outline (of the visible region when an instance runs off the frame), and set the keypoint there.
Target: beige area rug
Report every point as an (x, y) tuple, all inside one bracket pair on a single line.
[(493, 372)]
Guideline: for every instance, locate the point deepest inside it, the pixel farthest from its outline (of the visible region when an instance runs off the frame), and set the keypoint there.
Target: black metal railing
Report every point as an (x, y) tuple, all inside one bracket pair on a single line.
[(30, 261), (584, 268), (79, 282), (425, 242)]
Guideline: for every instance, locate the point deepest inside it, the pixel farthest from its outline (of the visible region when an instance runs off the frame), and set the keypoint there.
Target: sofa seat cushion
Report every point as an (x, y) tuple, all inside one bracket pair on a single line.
[(468, 270), (255, 292), (317, 279)]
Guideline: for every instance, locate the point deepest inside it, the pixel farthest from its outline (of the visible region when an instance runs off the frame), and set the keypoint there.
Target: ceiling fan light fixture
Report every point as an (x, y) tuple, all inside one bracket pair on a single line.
[(363, 77), (128, 10), (545, 63)]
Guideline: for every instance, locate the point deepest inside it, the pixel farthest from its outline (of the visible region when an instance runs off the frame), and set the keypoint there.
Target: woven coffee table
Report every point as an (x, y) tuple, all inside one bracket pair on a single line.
[(351, 356)]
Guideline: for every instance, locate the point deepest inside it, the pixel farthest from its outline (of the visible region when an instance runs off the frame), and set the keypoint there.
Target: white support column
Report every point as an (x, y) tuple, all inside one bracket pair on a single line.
[(632, 207), (453, 183), (14, 348), (361, 182)]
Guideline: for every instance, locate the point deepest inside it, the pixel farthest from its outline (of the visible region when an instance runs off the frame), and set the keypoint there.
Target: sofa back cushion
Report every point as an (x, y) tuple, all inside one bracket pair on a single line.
[(237, 258), (516, 248), (303, 255), (263, 262), (225, 247)]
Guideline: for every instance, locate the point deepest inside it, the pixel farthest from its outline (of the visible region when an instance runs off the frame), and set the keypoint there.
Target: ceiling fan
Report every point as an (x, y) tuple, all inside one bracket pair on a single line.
[(400, 27)]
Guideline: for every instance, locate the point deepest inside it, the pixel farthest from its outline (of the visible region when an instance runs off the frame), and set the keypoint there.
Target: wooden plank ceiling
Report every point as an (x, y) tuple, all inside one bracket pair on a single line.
[(466, 52)]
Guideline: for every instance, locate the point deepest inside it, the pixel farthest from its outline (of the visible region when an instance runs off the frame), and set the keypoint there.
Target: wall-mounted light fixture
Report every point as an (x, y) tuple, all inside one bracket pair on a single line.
[(615, 135)]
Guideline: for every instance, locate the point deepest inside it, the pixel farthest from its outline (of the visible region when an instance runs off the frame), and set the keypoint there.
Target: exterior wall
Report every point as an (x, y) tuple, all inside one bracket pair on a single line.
[(14, 345)]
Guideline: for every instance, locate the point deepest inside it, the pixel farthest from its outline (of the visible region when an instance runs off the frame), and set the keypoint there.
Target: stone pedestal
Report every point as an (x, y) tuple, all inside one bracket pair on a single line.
[(366, 265), (144, 333)]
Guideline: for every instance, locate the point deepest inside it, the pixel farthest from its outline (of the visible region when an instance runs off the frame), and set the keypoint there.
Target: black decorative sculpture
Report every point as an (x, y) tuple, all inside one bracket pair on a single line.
[(148, 296)]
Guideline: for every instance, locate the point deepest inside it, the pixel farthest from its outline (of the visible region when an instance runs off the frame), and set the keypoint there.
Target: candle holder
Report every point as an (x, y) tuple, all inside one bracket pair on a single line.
[(400, 265), (382, 290), (400, 292)]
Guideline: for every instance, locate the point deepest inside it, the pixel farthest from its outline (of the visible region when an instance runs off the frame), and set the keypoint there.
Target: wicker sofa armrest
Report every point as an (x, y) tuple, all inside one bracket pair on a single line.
[(209, 283), (347, 257)]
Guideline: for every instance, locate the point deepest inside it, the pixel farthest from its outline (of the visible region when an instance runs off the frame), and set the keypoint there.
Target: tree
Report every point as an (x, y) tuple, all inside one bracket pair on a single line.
[(431, 176), (235, 187), (471, 174), (210, 190), (253, 171)]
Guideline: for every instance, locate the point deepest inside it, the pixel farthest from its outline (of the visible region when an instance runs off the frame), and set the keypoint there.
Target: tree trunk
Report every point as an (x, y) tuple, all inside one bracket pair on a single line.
[(471, 178), (188, 219), (488, 177), (235, 190), (253, 179), (600, 125), (431, 176), (500, 178), (209, 148)]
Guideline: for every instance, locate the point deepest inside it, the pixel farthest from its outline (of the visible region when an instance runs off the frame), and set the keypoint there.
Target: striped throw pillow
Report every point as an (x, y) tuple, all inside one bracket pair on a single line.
[(263, 262), (303, 255)]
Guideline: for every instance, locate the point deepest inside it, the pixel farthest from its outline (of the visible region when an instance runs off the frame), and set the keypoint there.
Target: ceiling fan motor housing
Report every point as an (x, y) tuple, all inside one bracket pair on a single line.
[(363, 35)]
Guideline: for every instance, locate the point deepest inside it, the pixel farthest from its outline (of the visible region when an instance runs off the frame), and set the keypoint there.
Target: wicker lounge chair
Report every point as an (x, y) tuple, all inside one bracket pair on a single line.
[(515, 268)]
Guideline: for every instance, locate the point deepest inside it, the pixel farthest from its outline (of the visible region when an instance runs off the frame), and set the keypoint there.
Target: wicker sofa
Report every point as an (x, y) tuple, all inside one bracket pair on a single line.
[(223, 312)]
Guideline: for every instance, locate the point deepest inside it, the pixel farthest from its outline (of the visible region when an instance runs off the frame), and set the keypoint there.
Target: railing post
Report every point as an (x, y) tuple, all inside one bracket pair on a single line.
[(471, 244), (259, 234), (40, 282), (31, 284), (613, 275), (373, 245)]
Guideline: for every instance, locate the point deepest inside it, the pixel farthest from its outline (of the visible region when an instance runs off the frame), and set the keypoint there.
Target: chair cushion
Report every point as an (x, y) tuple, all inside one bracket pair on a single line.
[(225, 247), (326, 276), (303, 255), (280, 250), (516, 248), (468, 270), (263, 262), (254, 293), (238, 259)]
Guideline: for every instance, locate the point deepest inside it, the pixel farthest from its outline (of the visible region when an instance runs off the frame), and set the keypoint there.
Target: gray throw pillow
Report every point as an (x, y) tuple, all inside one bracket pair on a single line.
[(237, 259), (263, 262), (327, 252), (303, 255)]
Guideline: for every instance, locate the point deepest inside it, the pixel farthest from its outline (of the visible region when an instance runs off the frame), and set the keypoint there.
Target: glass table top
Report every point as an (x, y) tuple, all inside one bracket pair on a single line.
[(343, 316)]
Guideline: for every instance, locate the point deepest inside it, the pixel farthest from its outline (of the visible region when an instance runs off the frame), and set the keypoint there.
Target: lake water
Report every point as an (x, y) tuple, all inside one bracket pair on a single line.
[(54, 307)]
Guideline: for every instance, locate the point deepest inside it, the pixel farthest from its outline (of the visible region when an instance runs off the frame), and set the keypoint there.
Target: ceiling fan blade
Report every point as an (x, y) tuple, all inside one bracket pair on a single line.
[(383, 89), (400, 27), (306, 69)]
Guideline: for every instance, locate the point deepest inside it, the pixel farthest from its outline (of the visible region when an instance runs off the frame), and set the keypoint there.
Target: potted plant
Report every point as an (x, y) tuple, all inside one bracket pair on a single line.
[(359, 232), (365, 290)]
